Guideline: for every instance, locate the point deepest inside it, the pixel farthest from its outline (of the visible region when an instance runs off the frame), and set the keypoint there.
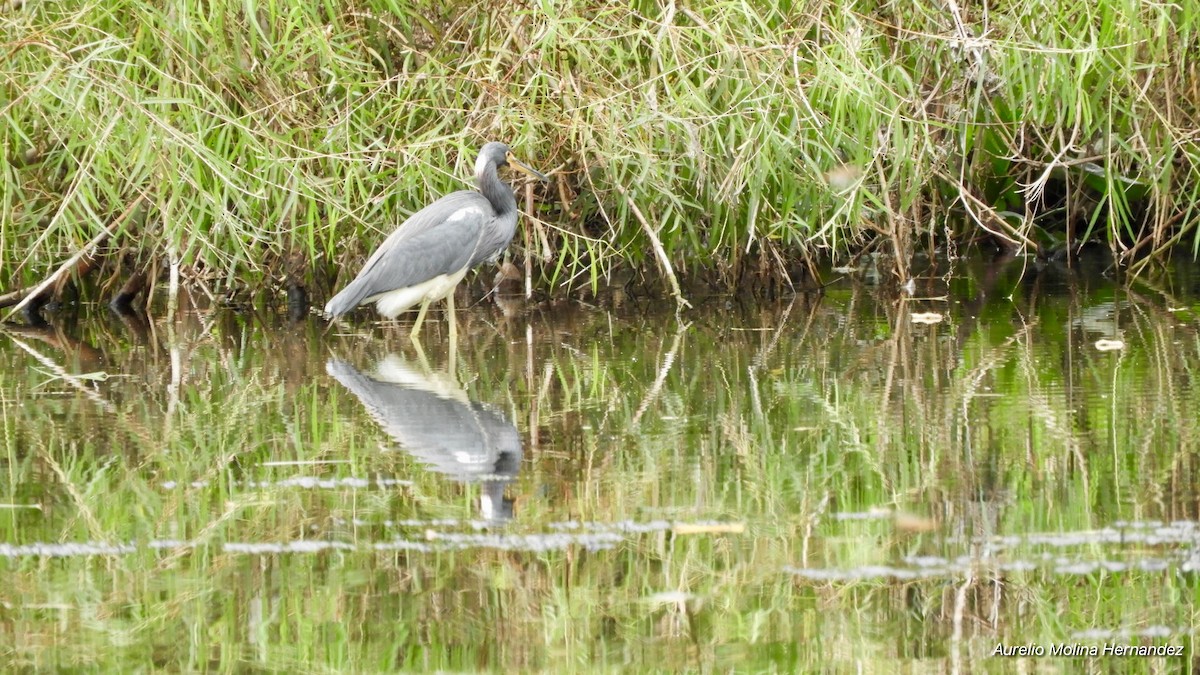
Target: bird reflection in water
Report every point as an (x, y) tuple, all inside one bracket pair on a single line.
[(434, 421)]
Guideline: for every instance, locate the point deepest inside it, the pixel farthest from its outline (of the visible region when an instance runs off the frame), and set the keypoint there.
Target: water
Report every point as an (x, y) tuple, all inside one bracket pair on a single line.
[(851, 480)]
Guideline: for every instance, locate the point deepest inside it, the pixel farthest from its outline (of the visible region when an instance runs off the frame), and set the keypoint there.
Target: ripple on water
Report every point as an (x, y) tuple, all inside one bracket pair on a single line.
[(1010, 554), (302, 482), (437, 538)]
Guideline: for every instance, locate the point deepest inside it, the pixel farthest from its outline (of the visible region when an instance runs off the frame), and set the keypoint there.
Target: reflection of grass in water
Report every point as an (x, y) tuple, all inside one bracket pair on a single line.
[(1004, 429)]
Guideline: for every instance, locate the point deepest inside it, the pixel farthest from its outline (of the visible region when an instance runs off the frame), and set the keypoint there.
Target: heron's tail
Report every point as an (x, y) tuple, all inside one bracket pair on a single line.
[(346, 300)]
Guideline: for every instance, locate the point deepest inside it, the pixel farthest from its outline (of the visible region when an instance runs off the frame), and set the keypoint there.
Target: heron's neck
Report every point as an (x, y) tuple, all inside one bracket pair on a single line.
[(495, 190)]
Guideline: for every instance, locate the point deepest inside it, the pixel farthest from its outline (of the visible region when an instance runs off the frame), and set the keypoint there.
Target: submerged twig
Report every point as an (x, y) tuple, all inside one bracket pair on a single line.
[(87, 250), (124, 298), (13, 297)]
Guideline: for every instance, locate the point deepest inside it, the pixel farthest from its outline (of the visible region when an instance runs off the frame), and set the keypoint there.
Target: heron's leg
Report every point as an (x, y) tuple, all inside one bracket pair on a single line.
[(453, 330), (415, 334)]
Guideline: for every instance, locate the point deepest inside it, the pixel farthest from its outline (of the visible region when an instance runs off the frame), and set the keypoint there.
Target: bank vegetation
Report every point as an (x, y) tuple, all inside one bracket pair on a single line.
[(245, 146)]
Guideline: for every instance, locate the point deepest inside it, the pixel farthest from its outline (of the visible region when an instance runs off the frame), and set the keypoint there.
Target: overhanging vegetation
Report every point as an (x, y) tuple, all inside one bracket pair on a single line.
[(269, 140)]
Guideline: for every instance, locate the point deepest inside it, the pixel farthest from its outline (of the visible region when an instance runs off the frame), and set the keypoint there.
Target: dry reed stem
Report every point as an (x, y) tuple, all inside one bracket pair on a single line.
[(87, 249), (659, 253)]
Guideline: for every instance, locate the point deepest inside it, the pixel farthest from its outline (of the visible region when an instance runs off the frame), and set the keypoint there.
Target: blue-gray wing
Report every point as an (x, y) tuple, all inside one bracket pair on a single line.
[(441, 238)]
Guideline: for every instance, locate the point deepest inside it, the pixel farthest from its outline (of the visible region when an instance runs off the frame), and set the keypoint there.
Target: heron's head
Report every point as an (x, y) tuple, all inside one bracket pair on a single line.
[(499, 155)]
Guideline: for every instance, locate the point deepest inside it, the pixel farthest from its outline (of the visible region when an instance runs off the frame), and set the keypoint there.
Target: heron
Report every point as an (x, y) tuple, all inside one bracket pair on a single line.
[(434, 421), (424, 260)]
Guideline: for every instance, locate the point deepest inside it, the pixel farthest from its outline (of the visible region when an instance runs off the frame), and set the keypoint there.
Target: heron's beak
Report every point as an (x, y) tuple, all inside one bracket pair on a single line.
[(525, 168)]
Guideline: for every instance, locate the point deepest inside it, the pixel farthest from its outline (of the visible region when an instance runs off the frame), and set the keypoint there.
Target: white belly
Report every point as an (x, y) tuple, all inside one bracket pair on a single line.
[(391, 303)]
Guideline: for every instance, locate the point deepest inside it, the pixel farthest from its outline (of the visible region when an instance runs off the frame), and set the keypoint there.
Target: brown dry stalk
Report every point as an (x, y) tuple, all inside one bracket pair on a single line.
[(659, 252), (82, 260)]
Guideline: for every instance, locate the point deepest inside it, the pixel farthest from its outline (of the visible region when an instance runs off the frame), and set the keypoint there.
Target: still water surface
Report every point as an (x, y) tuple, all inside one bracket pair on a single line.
[(849, 480)]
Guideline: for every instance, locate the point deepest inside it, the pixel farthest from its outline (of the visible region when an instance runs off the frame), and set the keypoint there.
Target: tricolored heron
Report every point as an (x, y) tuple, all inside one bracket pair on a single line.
[(429, 254), (433, 419)]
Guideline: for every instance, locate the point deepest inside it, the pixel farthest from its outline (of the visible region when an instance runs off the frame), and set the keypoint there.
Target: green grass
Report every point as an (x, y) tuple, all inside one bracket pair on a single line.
[(274, 139)]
